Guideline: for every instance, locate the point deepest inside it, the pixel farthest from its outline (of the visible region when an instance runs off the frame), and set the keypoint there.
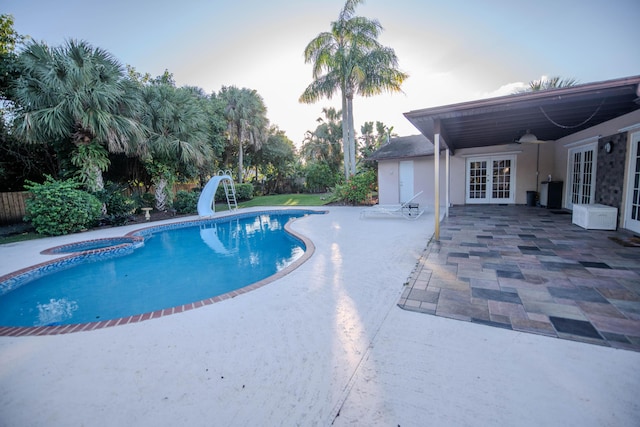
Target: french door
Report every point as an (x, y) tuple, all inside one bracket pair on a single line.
[(632, 208), (491, 179), (582, 175)]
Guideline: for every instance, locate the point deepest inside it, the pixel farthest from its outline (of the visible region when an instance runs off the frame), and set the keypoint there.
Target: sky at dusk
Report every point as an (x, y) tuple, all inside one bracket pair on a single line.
[(454, 50)]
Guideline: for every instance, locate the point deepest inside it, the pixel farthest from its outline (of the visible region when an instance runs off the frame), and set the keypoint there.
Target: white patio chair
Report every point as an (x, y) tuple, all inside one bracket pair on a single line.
[(408, 209)]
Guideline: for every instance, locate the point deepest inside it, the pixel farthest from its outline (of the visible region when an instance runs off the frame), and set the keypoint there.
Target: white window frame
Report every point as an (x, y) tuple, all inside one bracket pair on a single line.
[(629, 222), (592, 146)]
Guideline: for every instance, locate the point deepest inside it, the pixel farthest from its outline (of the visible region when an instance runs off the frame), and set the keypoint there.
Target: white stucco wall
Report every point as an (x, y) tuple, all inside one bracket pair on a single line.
[(389, 187), (526, 160), (423, 173), (577, 139)]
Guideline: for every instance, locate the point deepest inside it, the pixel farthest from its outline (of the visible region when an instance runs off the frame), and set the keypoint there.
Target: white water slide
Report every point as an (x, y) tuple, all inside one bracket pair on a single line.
[(206, 202)]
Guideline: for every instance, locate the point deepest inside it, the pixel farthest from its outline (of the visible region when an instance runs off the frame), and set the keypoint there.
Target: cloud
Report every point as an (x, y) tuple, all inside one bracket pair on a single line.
[(507, 89)]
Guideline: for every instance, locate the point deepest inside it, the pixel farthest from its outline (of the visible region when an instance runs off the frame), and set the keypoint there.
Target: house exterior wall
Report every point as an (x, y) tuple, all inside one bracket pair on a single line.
[(611, 179), (609, 174), (389, 187), (549, 159), (525, 154), (458, 180), (526, 160)]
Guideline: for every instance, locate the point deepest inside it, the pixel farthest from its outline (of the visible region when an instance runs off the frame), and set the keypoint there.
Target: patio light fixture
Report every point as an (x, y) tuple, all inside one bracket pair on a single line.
[(529, 138)]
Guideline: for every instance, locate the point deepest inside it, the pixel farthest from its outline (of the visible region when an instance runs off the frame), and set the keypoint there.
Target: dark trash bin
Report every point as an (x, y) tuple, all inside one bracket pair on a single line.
[(531, 198)]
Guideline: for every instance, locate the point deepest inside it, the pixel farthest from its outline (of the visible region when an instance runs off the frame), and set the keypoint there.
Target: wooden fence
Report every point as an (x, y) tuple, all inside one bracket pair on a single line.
[(12, 207)]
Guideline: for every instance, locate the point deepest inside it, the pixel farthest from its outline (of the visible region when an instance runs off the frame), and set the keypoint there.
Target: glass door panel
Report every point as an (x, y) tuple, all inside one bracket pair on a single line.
[(583, 172), (490, 179)]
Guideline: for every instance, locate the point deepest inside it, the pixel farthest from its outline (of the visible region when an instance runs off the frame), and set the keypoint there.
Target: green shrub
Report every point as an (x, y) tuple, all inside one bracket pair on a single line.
[(143, 200), (60, 207), (186, 202), (119, 206), (243, 192), (357, 189), (319, 177)]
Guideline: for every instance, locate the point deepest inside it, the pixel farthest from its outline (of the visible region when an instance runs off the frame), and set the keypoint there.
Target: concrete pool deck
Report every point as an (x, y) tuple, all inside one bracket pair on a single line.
[(326, 344)]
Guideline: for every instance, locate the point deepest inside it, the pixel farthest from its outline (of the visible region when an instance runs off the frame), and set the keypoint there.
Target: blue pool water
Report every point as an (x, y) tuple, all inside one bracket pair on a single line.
[(178, 264)]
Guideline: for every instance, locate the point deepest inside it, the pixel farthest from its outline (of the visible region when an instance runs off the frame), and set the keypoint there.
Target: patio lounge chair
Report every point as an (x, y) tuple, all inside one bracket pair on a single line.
[(408, 209)]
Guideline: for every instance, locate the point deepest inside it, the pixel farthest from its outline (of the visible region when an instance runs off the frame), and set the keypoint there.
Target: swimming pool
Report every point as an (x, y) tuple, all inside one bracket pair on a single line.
[(151, 272)]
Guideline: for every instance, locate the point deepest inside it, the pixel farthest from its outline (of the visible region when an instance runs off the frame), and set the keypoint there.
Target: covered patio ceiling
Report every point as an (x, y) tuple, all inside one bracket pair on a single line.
[(549, 114)]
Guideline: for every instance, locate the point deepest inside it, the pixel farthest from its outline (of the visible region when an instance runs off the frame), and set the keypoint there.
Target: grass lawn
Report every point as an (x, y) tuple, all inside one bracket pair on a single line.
[(287, 200), (31, 235), (275, 200)]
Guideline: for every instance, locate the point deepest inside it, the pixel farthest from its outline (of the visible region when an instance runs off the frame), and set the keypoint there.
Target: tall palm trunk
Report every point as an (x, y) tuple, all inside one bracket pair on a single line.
[(161, 190), (352, 135), (240, 156), (345, 138)]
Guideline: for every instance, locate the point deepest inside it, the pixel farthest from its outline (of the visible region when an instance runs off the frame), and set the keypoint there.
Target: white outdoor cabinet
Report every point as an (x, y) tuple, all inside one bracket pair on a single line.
[(595, 216)]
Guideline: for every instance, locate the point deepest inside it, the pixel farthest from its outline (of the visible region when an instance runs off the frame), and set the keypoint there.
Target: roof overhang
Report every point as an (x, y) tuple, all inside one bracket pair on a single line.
[(549, 114), (403, 147)]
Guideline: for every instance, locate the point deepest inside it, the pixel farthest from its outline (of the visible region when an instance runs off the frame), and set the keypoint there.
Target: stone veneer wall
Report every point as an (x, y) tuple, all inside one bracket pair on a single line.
[(610, 171)]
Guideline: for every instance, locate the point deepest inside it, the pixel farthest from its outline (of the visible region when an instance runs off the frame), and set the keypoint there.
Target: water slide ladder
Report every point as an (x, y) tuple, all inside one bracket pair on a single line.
[(230, 193)]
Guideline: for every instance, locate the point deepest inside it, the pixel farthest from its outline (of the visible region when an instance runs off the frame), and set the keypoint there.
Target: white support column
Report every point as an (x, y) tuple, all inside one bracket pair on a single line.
[(447, 181), (436, 180)]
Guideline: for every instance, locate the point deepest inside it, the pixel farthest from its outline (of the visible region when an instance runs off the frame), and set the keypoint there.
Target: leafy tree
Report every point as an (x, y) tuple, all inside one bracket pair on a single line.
[(76, 95), (319, 177), (146, 78), (216, 127), (17, 161), (276, 157), (371, 141), (177, 138), (9, 40), (350, 59), (323, 144), (247, 122)]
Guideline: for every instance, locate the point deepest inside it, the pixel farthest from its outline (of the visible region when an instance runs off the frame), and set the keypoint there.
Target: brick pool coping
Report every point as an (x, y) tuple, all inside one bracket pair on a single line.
[(18, 331)]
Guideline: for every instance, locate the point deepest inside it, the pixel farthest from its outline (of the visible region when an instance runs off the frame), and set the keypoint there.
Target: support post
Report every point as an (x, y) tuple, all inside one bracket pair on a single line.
[(447, 181), (436, 179)]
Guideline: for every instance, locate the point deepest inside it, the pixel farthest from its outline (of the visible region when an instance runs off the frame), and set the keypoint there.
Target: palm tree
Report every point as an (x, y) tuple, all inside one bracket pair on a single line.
[(176, 122), (323, 144), (77, 94), (350, 59), (545, 83), (247, 122)]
